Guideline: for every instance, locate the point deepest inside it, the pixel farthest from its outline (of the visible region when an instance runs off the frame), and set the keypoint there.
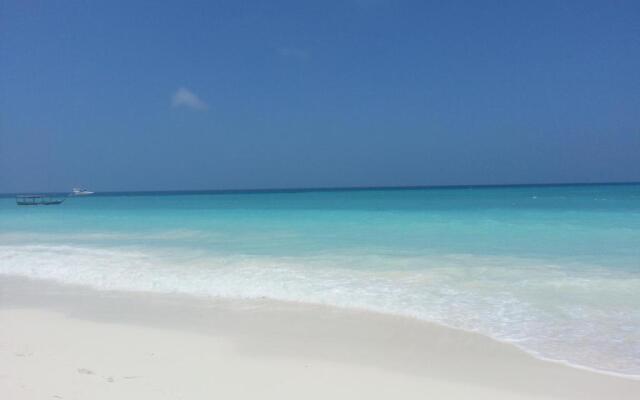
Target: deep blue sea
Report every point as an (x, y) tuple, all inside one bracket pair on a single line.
[(553, 269)]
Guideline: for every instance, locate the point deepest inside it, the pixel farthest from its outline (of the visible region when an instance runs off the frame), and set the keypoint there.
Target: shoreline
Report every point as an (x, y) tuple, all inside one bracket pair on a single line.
[(386, 348), (215, 299)]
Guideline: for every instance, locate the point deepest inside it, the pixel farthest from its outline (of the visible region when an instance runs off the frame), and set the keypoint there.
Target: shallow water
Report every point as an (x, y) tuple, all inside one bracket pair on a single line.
[(553, 269)]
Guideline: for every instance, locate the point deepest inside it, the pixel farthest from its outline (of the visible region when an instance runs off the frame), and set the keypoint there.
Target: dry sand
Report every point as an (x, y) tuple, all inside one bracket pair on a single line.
[(67, 342)]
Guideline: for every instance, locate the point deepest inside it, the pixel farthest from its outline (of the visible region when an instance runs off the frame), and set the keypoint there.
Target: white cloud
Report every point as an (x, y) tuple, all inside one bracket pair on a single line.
[(185, 97)]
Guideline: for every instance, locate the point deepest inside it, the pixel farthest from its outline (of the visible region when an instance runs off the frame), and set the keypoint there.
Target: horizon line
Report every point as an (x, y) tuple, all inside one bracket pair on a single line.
[(340, 188)]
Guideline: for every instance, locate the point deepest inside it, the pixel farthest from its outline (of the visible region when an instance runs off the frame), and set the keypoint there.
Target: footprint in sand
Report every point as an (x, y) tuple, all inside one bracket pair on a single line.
[(85, 371)]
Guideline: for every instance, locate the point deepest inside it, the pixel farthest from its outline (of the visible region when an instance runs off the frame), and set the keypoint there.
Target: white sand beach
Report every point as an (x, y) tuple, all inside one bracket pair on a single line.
[(68, 342)]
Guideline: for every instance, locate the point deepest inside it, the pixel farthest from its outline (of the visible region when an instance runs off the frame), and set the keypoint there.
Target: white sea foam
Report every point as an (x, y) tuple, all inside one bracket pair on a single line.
[(545, 309)]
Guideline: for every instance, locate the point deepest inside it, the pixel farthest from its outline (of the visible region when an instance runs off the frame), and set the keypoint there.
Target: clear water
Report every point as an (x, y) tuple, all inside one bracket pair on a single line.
[(554, 270)]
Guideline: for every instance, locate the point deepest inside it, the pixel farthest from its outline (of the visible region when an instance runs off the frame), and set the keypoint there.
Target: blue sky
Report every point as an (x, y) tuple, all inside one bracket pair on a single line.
[(254, 94)]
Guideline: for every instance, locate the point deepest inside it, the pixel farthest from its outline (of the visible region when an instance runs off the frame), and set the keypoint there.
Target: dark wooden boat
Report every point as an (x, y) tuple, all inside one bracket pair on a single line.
[(37, 200)]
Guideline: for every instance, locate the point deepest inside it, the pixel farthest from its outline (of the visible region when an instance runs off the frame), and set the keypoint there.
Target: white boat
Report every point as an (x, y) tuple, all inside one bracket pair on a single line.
[(80, 192)]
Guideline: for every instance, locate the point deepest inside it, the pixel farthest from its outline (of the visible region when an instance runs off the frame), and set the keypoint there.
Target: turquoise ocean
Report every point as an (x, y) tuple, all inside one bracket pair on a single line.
[(554, 270)]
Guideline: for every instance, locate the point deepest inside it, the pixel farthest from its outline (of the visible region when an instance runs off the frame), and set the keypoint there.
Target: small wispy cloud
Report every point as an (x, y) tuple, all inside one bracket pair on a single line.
[(369, 3), (184, 97), (293, 52)]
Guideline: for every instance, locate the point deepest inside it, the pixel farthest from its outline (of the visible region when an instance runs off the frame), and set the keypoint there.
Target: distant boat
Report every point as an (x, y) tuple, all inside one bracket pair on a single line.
[(80, 192), (37, 200)]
